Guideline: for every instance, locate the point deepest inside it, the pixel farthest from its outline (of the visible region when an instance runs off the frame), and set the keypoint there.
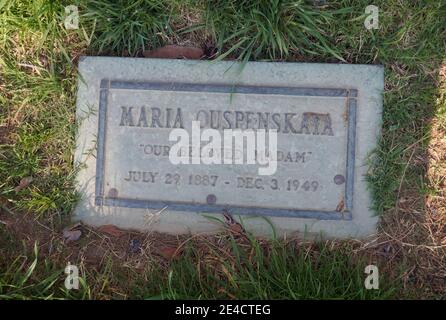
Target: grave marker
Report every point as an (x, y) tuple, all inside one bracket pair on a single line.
[(327, 118)]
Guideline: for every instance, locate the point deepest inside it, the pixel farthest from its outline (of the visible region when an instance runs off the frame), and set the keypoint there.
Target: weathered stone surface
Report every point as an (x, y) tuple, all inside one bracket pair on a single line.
[(327, 117)]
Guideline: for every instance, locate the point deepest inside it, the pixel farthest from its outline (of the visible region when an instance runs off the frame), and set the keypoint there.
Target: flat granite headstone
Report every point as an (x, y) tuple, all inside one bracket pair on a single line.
[(327, 118)]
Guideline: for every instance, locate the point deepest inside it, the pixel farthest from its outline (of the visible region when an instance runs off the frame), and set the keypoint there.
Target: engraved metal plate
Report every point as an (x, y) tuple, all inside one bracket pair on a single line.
[(315, 173)]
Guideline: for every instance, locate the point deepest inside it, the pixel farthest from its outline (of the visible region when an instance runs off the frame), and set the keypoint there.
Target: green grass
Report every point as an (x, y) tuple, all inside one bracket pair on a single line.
[(37, 103), (262, 29), (280, 273), (126, 25), (29, 276), (16, 280), (253, 271)]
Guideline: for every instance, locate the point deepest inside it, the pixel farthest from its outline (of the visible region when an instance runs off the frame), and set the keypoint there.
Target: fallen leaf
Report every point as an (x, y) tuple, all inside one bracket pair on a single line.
[(169, 252), (233, 225), (111, 230), (23, 183), (72, 235), (175, 52)]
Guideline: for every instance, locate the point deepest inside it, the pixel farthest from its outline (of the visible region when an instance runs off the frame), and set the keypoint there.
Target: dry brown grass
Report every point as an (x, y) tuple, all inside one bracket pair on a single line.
[(414, 232)]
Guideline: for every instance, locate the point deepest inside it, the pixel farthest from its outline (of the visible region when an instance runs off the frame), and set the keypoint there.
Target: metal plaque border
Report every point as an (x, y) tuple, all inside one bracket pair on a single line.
[(344, 214)]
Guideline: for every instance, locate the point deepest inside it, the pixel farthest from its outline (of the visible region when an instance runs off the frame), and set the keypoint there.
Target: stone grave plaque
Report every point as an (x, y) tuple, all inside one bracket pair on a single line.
[(326, 116)]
